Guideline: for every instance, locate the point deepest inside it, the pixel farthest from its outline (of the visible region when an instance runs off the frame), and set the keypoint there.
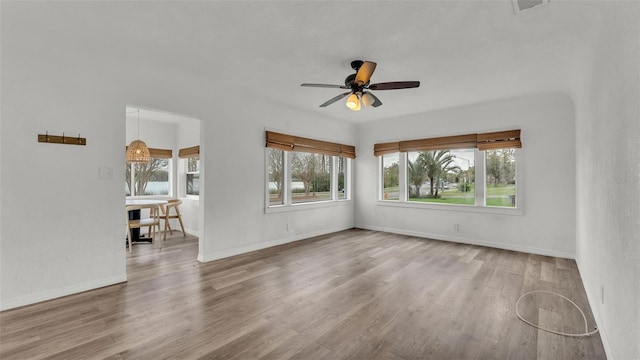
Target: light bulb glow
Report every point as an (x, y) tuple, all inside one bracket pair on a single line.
[(352, 101)]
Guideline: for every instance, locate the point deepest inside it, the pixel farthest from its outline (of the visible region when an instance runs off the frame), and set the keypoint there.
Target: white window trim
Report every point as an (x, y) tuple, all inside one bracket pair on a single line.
[(287, 205), (479, 207)]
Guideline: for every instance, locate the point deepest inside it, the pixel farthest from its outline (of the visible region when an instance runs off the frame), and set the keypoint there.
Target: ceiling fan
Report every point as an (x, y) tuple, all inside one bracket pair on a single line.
[(360, 88)]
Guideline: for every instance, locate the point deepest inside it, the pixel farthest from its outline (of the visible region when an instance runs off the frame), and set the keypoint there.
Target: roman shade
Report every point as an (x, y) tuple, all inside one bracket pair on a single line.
[(189, 152), (484, 141), (499, 140), (386, 148), (440, 143), (295, 143)]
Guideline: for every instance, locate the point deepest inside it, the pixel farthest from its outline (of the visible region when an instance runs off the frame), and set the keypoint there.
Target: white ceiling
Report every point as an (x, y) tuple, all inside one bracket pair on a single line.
[(462, 52)]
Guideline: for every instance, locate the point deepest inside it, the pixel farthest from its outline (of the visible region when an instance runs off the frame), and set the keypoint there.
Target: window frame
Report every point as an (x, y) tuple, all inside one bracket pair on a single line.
[(287, 204), (480, 188)]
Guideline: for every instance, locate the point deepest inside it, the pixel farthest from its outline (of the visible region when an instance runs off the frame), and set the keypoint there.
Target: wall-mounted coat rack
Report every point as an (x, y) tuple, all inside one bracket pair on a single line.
[(57, 139)]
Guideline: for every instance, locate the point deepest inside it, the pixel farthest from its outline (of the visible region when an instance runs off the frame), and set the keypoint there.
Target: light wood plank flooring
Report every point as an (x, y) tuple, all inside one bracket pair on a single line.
[(355, 294)]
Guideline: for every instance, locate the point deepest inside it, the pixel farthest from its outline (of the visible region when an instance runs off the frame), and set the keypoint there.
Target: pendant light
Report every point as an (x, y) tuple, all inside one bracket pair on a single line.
[(137, 151)]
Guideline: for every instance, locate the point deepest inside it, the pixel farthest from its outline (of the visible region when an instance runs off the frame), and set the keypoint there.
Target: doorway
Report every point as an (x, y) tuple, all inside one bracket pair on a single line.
[(173, 172)]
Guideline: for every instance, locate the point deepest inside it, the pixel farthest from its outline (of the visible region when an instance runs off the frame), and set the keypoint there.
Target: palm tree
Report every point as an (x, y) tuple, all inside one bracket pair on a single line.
[(437, 163), (416, 175)]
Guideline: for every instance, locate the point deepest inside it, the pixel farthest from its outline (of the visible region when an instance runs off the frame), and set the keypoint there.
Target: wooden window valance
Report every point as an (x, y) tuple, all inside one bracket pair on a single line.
[(485, 141), (499, 140), (386, 148), (295, 143), (159, 153), (189, 152)]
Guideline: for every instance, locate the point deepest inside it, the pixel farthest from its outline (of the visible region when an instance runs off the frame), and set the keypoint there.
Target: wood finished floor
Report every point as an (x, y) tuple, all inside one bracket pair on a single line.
[(355, 294)]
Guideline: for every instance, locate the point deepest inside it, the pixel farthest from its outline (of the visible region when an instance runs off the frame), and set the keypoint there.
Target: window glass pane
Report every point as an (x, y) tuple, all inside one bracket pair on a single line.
[(193, 184), (276, 176), (441, 176), (500, 167), (127, 180), (343, 186), (390, 183), (152, 178), (193, 164), (310, 177)]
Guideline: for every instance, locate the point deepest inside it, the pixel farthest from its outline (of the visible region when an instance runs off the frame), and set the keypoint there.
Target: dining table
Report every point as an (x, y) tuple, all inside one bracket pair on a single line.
[(135, 215)]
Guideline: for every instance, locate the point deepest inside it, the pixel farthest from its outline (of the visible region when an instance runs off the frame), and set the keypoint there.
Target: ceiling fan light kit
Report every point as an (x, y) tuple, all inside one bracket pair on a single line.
[(359, 82)]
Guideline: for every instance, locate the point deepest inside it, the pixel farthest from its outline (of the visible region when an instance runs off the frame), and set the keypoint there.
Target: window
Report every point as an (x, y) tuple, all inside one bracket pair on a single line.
[(193, 176), (304, 171), (390, 177), (343, 184), (275, 168), (310, 177), (500, 169), (152, 178), (191, 156), (443, 170), (441, 176)]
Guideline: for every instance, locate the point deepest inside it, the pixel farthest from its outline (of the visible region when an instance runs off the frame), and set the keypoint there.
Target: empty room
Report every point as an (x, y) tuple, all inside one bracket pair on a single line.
[(320, 179)]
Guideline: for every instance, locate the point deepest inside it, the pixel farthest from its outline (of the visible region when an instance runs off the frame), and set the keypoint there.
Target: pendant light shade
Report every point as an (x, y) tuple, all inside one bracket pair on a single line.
[(138, 151), (367, 99), (353, 102)]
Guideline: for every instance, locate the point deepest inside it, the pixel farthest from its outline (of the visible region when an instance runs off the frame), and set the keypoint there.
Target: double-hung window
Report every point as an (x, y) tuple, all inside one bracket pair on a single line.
[(191, 160), (474, 170), (304, 171)]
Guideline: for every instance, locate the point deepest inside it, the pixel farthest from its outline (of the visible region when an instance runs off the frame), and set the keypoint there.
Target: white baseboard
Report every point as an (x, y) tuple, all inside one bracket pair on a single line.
[(456, 239), (263, 245), (596, 315), (60, 292)]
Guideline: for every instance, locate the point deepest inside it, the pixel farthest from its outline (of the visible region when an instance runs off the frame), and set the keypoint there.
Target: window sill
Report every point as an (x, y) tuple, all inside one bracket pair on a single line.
[(306, 206), (453, 208)]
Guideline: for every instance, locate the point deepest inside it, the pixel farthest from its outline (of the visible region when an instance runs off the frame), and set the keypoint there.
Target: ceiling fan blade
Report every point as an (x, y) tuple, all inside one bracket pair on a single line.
[(376, 102), (364, 73), (332, 100), (394, 85), (326, 86)]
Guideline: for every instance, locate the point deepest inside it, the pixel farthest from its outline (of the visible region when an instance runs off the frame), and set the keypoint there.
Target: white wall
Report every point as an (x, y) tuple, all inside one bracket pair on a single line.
[(188, 135), (62, 227), (608, 180), (548, 163)]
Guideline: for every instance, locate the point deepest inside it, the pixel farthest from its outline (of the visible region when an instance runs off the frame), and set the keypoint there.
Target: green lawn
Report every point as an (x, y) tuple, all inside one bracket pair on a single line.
[(496, 196)]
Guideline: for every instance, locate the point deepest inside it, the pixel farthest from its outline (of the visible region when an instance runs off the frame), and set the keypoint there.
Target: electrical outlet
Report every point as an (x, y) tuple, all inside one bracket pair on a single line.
[(456, 227), (602, 294)]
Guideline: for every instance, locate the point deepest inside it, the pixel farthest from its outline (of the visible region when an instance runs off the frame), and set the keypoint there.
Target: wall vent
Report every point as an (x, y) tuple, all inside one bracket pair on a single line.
[(523, 5)]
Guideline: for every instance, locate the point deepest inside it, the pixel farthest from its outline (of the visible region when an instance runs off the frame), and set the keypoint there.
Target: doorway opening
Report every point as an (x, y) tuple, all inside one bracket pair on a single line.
[(171, 179)]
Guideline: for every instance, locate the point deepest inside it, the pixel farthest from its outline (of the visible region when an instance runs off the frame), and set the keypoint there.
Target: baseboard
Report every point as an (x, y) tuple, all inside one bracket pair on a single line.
[(56, 293), (456, 239), (263, 245), (596, 314)]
